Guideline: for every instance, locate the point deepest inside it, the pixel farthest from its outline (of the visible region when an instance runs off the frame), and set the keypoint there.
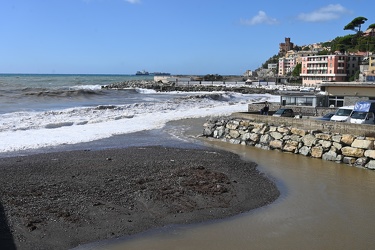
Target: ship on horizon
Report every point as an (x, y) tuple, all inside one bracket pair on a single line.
[(146, 73)]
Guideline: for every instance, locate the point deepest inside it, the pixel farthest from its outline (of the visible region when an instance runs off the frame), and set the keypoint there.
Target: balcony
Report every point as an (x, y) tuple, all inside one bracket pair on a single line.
[(317, 68), (318, 61)]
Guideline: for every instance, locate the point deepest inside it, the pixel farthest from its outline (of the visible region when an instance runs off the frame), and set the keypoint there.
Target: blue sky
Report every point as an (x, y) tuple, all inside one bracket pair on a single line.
[(176, 36)]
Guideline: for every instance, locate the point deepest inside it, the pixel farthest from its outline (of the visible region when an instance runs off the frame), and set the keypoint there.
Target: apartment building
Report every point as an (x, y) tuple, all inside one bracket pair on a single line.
[(286, 65), (328, 68), (370, 77)]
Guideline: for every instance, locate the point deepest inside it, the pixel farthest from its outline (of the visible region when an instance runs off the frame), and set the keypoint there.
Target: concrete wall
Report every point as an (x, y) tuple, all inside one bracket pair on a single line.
[(309, 123), (298, 110)]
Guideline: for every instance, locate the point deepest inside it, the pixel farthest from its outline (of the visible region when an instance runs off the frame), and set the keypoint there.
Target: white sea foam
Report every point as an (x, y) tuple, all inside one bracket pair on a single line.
[(31, 130), (89, 87)]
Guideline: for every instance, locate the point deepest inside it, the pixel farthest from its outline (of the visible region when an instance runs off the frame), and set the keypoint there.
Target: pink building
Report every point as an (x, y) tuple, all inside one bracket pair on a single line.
[(286, 65), (328, 68)]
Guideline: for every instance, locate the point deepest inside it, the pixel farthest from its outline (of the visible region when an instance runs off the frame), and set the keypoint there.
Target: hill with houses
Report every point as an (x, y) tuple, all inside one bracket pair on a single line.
[(343, 59)]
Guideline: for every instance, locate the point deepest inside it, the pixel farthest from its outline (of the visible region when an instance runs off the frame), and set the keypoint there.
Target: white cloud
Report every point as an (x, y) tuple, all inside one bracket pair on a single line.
[(260, 18), (133, 1), (327, 13)]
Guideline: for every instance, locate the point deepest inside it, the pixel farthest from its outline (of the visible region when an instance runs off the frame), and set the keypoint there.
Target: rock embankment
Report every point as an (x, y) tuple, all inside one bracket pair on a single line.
[(342, 148), (172, 86)]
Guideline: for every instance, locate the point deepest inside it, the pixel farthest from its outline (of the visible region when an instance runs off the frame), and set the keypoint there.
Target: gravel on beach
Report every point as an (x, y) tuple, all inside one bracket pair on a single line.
[(64, 199)]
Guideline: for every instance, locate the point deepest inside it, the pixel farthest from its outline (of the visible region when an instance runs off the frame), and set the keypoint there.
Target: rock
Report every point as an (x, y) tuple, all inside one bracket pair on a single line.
[(283, 130), (349, 160), (325, 144), (309, 140), (370, 154), (290, 146), (234, 133), (276, 144), (347, 139), (244, 123), (254, 137), (296, 138), (276, 135), (317, 152), (365, 144), (361, 162), (265, 139), (370, 165), (337, 145), (336, 138), (207, 132), (330, 156), (219, 132), (322, 136), (245, 136), (273, 129), (299, 132), (305, 150), (233, 124), (354, 152)]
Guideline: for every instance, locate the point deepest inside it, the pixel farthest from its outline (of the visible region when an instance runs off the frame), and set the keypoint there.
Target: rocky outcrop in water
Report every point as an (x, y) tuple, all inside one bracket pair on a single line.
[(166, 87)]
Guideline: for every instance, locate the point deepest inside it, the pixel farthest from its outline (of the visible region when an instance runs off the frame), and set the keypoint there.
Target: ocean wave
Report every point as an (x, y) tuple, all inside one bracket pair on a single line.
[(61, 93), (58, 125), (26, 130)]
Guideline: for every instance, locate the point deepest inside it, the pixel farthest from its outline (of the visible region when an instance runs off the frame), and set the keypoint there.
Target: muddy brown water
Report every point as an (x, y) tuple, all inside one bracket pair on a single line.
[(323, 205)]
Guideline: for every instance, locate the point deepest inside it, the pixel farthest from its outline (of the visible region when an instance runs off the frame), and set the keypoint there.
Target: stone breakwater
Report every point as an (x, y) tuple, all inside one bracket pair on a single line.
[(173, 86), (341, 148)]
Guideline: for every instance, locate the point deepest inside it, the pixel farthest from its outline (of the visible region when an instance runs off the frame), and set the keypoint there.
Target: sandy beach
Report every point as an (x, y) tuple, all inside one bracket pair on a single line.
[(61, 200)]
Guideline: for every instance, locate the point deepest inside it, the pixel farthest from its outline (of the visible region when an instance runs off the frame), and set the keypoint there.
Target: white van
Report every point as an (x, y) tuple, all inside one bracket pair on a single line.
[(363, 112), (342, 114)]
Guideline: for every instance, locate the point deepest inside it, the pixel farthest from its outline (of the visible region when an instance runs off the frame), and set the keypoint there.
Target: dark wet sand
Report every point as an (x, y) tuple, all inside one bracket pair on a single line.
[(60, 200)]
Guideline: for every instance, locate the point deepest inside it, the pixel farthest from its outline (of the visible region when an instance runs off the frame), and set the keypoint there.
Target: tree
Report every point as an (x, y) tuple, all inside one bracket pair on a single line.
[(371, 38), (355, 25), (297, 70), (372, 28)]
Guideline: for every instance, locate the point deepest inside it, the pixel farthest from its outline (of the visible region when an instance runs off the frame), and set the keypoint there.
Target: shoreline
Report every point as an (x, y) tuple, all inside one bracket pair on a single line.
[(61, 200)]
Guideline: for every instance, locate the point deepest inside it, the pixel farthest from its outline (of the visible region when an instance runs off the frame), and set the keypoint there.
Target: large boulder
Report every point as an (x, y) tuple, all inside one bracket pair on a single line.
[(276, 144), (290, 146), (309, 140), (323, 136), (296, 131), (370, 154), (353, 152), (317, 152), (365, 144), (347, 139)]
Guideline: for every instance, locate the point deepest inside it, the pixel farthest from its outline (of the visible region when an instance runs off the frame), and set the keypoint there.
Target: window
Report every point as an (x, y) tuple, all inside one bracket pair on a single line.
[(299, 100), (336, 101)]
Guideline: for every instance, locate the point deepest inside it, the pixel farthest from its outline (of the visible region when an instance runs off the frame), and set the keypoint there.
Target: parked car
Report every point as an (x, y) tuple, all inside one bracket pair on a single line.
[(342, 114), (363, 112), (284, 112), (326, 117)]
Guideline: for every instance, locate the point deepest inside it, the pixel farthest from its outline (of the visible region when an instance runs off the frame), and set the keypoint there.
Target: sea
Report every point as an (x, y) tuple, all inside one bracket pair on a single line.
[(44, 111)]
